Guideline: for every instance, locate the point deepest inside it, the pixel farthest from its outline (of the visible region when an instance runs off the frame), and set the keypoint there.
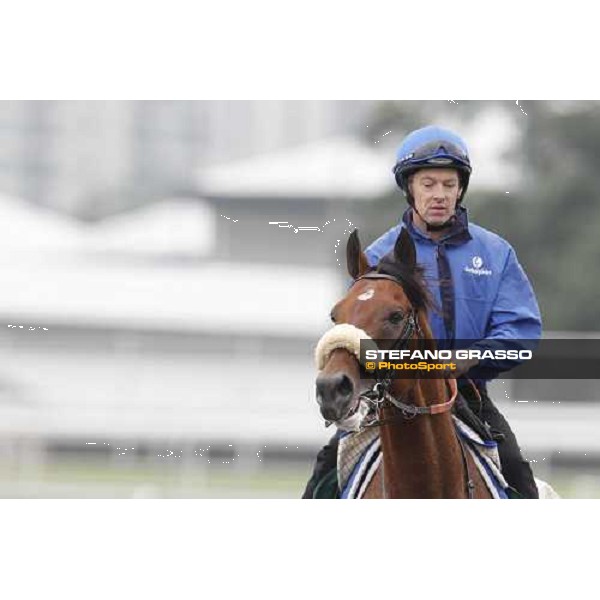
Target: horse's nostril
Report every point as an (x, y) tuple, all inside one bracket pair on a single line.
[(334, 395), (345, 387), (332, 387)]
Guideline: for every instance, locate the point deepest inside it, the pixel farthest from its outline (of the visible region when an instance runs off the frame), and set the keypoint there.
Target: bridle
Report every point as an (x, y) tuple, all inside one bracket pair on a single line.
[(381, 390), (379, 394)]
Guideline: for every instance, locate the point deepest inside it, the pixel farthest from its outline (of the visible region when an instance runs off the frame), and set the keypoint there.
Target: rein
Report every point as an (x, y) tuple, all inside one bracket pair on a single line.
[(379, 394)]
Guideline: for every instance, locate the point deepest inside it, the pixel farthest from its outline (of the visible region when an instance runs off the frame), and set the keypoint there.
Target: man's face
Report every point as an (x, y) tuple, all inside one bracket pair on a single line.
[(436, 192)]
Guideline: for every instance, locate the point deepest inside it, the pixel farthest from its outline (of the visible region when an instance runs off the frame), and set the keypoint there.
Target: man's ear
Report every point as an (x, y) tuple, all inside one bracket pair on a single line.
[(405, 251), (356, 261)]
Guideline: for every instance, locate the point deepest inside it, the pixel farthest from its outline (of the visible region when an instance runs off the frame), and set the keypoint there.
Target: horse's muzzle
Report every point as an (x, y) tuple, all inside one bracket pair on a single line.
[(334, 395)]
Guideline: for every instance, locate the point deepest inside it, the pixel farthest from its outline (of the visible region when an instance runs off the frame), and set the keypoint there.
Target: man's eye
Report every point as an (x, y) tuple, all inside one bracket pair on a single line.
[(396, 318)]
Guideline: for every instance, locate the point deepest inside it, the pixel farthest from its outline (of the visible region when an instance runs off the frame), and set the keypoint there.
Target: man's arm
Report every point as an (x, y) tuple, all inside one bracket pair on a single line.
[(515, 322)]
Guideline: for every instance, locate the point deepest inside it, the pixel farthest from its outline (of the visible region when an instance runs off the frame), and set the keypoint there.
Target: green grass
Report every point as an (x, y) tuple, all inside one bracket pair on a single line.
[(90, 479)]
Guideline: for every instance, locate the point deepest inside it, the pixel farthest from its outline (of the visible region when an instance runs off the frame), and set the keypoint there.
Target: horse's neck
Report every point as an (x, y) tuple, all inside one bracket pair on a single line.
[(421, 457)]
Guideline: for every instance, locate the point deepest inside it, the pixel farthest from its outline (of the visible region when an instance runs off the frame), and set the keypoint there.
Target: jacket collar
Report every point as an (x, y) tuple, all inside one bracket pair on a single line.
[(457, 234)]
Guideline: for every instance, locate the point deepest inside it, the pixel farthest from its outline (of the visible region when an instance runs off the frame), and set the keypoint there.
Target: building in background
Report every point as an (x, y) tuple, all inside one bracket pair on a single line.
[(294, 206)]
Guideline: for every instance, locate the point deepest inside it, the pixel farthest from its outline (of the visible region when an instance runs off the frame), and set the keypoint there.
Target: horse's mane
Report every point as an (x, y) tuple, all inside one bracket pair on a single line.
[(411, 280)]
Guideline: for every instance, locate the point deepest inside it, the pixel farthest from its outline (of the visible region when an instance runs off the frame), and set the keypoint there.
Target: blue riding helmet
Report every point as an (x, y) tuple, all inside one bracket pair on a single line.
[(432, 147)]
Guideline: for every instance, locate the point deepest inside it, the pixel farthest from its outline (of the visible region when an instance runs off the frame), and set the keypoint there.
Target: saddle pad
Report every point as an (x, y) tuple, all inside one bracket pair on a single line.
[(358, 466), (351, 450), (485, 456), (359, 456)]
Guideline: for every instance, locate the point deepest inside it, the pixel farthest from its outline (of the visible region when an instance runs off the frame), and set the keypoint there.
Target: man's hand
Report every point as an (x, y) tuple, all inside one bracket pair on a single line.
[(463, 365)]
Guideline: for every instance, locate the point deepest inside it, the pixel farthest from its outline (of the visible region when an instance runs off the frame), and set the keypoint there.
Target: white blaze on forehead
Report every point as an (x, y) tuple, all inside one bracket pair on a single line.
[(367, 295), (341, 336)]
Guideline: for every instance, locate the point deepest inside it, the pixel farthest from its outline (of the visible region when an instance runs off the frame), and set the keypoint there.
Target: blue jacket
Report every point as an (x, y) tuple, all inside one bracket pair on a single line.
[(487, 297)]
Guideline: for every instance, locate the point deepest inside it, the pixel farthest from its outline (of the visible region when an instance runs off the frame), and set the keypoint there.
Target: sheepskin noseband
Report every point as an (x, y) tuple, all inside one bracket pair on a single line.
[(341, 336)]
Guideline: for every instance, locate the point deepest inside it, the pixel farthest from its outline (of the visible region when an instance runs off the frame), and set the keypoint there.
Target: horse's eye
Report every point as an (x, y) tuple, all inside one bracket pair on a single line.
[(396, 318), (332, 317)]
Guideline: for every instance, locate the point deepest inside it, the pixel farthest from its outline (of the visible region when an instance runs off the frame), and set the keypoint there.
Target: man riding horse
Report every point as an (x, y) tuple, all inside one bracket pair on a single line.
[(474, 278)]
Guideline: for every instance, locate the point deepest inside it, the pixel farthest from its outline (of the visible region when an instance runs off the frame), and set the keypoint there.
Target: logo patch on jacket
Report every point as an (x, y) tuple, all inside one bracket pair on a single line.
[(477, 268)]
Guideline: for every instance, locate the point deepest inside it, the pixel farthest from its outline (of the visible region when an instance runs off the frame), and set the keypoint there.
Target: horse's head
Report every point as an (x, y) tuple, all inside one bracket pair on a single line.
[(386, 303)]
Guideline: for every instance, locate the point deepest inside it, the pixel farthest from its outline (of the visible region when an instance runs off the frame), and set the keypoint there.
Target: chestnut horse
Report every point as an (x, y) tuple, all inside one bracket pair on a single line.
[(422, 455)]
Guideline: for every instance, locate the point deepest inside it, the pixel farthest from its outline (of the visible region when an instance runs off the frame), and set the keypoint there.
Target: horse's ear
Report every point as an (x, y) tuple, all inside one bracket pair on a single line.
[(355, 258), (404, 250)]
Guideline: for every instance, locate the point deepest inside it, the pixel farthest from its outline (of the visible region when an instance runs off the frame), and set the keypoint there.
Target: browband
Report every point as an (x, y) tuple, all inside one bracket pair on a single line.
[(376, 275)]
